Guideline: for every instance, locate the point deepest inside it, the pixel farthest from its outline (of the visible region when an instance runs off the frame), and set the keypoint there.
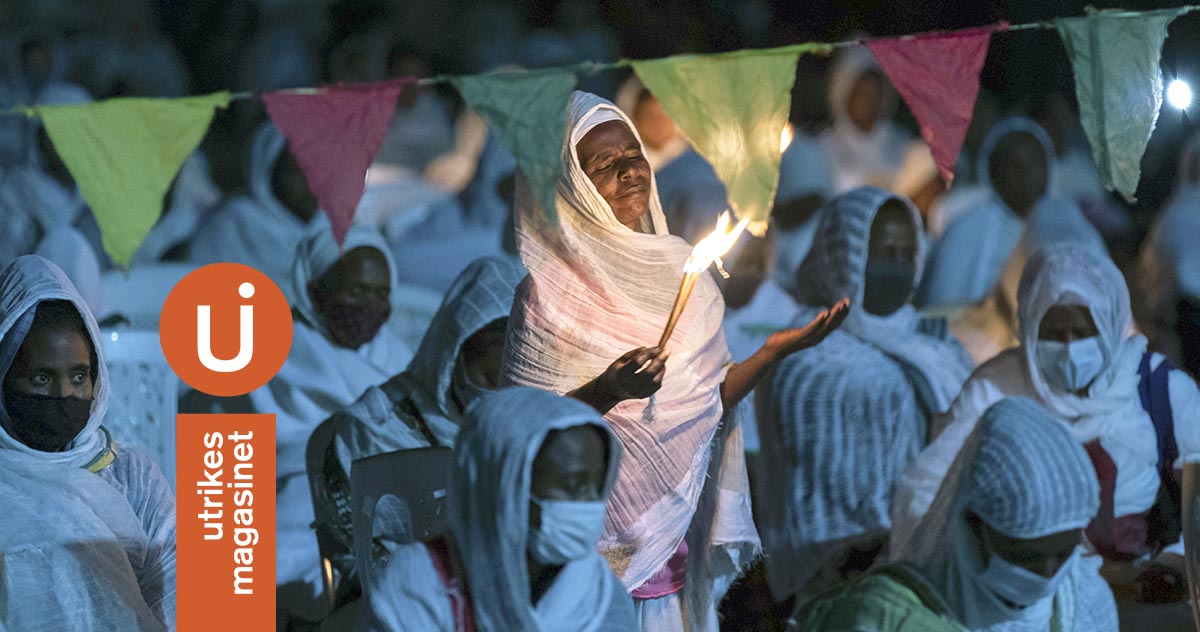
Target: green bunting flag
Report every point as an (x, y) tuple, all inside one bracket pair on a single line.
[(528, 111), (1115, 57), (124, 153), (732, 107)]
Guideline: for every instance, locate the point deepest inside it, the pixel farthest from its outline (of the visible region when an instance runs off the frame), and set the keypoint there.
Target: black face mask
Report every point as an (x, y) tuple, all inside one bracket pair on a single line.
[(47, 423), (887, 286)]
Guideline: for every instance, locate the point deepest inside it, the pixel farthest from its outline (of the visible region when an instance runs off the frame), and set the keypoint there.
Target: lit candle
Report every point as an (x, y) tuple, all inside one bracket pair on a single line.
[(707, 250)]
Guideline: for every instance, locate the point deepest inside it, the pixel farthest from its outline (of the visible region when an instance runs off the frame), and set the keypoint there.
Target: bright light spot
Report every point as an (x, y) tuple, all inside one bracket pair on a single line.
[(785, 137), (1179, 94), (114, 336)]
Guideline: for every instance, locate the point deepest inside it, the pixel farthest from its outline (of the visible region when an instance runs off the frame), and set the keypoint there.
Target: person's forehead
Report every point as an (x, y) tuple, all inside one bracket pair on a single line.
[(609, 135)]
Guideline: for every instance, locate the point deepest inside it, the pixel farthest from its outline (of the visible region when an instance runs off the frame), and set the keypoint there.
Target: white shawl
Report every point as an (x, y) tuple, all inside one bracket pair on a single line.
[(1026, 477), (839, 423), (596, 290), (257, 230), (489, 500), (1065, 274)]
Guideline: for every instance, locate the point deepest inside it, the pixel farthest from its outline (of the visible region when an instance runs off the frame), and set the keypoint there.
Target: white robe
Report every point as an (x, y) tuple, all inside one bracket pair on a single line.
[(129, 496)]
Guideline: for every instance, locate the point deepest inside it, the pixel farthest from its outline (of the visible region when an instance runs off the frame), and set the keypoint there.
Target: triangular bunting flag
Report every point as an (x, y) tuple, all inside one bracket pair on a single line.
[(528, 111), (938, 77), (124, 153), (732, 107), (334, 133), (1119, 86)]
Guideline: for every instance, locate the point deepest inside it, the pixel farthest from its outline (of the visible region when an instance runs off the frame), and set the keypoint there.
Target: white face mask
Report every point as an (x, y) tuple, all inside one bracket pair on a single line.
[(1017, 585), (570, 530), (1070, 366)]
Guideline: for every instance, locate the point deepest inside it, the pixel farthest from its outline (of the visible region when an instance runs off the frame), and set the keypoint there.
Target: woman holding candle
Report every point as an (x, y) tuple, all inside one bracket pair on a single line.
[(603, 279)]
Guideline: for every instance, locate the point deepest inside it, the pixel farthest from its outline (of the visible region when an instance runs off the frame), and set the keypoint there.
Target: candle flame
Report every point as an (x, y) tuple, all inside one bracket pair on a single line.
[(715, 245), (785, 137)]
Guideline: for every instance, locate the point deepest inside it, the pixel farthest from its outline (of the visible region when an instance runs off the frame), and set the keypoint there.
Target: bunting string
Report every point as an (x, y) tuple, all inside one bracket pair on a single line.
[(731, 107)]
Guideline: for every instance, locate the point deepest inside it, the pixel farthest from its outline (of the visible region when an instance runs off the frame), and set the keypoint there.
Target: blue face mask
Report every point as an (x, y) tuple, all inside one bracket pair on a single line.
[(1070, 366)]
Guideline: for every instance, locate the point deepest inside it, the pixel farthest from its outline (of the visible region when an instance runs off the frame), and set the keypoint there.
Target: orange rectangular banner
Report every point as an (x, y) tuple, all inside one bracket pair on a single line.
[(225, 541)]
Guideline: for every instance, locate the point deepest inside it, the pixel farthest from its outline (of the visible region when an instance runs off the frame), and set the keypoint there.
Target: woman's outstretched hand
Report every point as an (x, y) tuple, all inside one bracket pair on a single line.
[(744, 376), (788, 341), (636, 375)]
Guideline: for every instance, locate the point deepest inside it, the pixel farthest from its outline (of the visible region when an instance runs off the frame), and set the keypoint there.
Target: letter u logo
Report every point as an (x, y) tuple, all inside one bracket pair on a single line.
[(245, 339)]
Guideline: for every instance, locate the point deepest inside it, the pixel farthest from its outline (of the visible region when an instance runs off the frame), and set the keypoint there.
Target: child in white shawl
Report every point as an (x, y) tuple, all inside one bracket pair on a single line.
[(341, 345), (527, 502), (1078, 359), (1000, 547), (457, 362), (602, 281), (55, 395), (839, 423)]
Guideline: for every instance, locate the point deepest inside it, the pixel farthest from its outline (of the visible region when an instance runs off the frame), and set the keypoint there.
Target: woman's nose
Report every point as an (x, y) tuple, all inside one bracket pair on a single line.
[(60, 388)]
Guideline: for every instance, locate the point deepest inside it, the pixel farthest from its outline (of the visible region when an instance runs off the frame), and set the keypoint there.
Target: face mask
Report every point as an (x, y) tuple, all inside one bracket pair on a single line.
[(1070, 366), (1019, 586), (887, 286), (466, 391), (47, 423), (570, 530), (353, 326)]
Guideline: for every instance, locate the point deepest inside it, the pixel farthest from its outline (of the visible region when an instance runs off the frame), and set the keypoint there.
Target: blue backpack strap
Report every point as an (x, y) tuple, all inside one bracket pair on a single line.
[(1164, 520), (1154, 391)]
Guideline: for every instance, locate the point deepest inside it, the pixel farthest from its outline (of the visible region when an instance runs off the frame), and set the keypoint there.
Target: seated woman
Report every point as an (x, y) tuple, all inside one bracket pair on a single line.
[(342, 344), (55, 393), (839, 423), (602, 280), (999, 548), (459, 360), (261, 230), (527, 505), (1016, 163), (1132, 410)]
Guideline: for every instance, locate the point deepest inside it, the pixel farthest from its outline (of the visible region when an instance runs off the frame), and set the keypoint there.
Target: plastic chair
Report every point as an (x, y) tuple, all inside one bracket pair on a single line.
[(143, 395), (398, 498)]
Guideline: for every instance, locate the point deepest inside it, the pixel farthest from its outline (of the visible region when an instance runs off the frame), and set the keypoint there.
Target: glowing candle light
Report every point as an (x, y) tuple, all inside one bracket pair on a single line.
[(707, 250)]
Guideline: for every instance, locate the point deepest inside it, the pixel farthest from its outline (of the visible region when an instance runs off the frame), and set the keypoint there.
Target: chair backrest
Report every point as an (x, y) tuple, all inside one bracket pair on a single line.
[(143, 397), (139, 294), (413, 308), (406, 491)]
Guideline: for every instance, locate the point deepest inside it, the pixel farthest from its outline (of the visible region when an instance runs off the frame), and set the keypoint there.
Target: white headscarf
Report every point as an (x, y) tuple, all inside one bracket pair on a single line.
[(489, 498), (378, 422), (27, 281), (316, 254), (835, 268), (859, 158), (840, 422), (1026, 477), (596, 290), (1064, 274), (258, 231)]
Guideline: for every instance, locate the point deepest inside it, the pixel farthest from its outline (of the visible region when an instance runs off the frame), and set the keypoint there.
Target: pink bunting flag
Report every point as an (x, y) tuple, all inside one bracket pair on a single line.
[(334, 133), (938, 77)]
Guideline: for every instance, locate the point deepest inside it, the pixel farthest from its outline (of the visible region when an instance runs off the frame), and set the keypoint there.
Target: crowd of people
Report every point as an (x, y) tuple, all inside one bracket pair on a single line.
[(910, 406)]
